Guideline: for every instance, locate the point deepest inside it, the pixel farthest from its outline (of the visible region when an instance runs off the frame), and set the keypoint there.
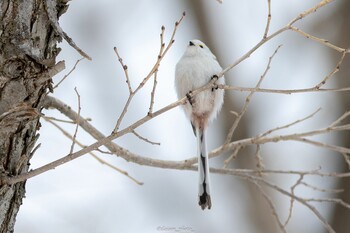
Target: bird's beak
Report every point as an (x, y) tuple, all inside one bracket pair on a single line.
[(191, 43)]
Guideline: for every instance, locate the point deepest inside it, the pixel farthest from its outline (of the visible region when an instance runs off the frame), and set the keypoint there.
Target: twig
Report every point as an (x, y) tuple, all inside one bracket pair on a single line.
[(51, 9), (290, 124), (347, 159), (285, 92), (77, 122), (125, 68), (65, 133), (320, 189), (145, 139), (268, 19), (334, 148), (276, 33), (272, 207), (248, 98), (153, 93), (153, 70), (59, 120), (340, 119), (292, 191), (259, 160), (334, 71), (319, 40), (332, 200), (302, 201), (232, 156), (75, 65)]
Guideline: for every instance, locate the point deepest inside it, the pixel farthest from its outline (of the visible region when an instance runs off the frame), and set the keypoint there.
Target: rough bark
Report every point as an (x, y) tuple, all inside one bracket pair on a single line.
[(27, 51)]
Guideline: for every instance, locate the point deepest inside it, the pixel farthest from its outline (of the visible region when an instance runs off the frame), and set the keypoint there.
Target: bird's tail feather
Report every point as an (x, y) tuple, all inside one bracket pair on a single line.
[(203, 170)]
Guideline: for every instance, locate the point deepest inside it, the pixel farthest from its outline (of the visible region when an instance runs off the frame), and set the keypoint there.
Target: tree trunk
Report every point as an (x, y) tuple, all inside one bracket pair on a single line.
[(27, 51)]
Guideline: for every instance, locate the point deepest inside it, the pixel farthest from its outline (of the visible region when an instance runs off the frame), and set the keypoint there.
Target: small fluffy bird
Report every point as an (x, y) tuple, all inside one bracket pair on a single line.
[(195, 69)]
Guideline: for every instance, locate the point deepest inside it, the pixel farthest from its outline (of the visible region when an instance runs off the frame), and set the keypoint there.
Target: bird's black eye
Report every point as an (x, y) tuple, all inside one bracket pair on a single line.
[(201, 46)]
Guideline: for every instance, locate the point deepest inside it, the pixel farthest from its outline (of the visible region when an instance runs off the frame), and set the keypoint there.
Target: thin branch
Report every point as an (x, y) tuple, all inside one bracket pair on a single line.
[(259, 160), (125, 68), (153, 93), (347, 159), (334, 71), (232, 156), (334, 148), (145, 139), (321, 189), (272, 207), (331, 200), (290, 124), (248, 98), (65, 133), (319, 40), (51, 9), (77, 122), (153, 70), (75, 65), (268, 19), (276, 33), (302, 201), (292, 191), (340, 119), (281, 91), (59, 120)]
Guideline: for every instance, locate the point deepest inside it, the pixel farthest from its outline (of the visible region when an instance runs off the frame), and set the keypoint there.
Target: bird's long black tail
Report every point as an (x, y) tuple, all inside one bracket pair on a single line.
[(203, 170)]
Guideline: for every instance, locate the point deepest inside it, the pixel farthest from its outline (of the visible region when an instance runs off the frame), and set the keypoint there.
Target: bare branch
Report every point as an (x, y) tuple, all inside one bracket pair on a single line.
[(232, 156), (276, 33), (153, 93), (331, 200), (75, 65), (65, 133), (334, 71), (145, 139), (285, 92), (247, 100), (52, 15), (272, 207), (290, 124), (321, 189), (268, 19), (125, 68), (154, 69), (77, 122), (319, 40), (259, 160)]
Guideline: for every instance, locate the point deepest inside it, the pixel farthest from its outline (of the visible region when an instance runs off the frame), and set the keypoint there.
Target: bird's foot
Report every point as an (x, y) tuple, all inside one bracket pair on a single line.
[(215, 86), (189, 97)]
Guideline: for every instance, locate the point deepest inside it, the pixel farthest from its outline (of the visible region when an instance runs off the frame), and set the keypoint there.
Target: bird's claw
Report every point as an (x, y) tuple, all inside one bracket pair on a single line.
[(214, 77), (215, 86), (189, 97)]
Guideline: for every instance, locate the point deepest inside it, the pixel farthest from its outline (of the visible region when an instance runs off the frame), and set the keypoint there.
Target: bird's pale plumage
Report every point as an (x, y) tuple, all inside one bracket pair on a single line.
[(195, 69)]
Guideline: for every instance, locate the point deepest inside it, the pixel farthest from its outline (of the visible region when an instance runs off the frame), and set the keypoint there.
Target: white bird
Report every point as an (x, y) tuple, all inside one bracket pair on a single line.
[(196, 68)]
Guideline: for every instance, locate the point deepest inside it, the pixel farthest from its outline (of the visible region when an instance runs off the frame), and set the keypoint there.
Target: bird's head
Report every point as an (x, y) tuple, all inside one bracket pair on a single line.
[(198, 48)]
